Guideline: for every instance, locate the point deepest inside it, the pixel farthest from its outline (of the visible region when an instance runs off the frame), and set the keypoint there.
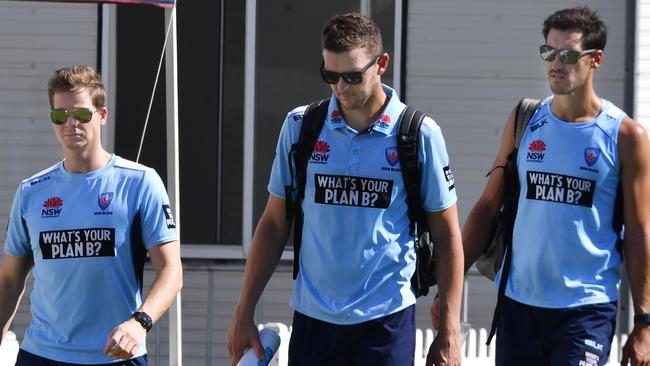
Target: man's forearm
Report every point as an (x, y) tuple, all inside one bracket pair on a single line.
[(637, 261), (476, 232), (9, 298), (13, 273), (450, 282), (265, 253), (164, 289)]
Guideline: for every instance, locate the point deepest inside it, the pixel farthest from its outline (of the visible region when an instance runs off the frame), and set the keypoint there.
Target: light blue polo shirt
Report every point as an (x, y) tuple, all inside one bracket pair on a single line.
[(564, 247), (357, 256), (88, 235)]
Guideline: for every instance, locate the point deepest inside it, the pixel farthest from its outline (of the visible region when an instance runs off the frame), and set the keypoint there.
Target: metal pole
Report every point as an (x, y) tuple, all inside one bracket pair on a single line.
[(173, 181), (249, 125), (397, 52)]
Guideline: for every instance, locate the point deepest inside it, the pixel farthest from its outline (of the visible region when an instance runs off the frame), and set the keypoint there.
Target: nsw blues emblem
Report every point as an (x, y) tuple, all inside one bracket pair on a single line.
[(105, 199), (391, 155), (591, 155)]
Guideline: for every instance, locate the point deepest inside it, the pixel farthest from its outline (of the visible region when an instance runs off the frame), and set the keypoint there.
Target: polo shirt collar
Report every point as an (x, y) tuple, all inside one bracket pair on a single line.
[(386, 123)]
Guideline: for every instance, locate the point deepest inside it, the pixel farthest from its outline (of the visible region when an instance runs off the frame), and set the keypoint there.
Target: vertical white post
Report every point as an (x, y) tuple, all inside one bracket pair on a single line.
[(249, 124), (397, 52), (365, 8), (109, 67), (173, 181)]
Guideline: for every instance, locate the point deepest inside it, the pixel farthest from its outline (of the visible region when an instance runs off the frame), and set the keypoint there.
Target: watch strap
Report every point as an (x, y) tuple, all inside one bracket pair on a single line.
[(643, 318), (144, 319)]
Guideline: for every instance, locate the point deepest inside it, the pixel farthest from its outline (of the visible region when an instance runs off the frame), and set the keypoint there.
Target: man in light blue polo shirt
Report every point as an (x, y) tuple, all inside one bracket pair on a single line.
[(353, 300), (83, 227), (580, 156)]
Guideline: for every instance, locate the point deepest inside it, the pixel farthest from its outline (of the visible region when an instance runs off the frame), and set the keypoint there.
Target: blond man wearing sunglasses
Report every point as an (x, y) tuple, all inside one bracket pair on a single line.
[(83, 228), (579, 156)]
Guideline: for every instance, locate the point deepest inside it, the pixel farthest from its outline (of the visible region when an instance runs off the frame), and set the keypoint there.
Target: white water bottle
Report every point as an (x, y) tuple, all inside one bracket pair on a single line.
[(270, 342)]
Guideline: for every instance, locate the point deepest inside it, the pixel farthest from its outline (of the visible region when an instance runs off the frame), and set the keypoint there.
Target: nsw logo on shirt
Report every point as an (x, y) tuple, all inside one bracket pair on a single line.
[(336, 117), (320, 154), (384, 121), (52, 207), (536, 151)]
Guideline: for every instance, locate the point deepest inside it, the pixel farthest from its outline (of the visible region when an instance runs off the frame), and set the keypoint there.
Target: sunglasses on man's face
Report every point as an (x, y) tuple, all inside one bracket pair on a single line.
[(570, 57), (60, 116), (350, 77)]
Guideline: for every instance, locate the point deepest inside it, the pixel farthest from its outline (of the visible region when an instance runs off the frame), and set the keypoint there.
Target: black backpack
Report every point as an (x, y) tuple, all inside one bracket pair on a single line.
[(407, 148)]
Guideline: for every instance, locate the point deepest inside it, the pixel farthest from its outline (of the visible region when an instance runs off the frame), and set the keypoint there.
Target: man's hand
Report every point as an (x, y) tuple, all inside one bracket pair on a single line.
[(637, 347), (445, 350), (243, 333), (435, 312), (125, 340)]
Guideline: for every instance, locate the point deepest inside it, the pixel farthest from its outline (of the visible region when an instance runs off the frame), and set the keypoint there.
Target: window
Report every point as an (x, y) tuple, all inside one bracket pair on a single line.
[(223, 195)]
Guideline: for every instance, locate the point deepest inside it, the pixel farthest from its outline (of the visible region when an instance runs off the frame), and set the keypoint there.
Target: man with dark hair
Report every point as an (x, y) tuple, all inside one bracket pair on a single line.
[(577, 152), (353, 300), (83, 227)]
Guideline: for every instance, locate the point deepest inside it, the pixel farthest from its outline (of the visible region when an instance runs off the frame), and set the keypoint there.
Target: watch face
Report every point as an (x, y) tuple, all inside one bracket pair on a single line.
[(144, 319)]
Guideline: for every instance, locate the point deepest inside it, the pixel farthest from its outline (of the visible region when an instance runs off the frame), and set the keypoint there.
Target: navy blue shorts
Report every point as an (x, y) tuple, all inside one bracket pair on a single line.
[(533, 336), (387, 341), (29, 359)]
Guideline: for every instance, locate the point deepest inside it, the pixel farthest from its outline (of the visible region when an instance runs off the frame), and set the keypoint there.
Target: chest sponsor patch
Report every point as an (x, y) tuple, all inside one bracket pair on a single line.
[(79, 243), (560, 188), (352, 191)]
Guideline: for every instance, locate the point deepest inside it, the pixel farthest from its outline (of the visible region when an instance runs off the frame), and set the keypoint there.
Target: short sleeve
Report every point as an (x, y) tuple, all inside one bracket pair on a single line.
[(158, 225), (280, 172), (437, 191), (17, 242)]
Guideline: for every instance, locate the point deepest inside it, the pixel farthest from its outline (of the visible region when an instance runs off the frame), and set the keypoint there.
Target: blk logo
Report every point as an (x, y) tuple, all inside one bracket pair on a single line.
[(538, 125)]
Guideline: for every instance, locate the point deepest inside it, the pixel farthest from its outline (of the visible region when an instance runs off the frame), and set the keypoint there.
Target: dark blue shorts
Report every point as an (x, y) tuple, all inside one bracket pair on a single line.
[(387, 341), (29, 359), (532, 336)]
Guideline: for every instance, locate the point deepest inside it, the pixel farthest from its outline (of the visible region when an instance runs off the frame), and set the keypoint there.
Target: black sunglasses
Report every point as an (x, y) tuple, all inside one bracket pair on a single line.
[(350, 77), (570, 57), (60, 116)]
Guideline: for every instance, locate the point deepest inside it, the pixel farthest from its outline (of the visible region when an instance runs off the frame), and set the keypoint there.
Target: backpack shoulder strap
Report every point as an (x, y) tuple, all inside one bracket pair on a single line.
[(312, 122), (525, 110), (407, 148)]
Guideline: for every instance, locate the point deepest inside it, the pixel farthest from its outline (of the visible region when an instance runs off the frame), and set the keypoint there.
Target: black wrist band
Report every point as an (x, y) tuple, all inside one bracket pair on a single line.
[(642, 319)]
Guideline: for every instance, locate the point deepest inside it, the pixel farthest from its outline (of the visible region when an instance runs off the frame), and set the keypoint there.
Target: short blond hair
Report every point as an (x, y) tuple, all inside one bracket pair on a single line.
[(77, 77)]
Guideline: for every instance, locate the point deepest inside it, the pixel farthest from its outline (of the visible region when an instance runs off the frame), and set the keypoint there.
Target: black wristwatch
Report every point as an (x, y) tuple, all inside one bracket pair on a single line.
[(143, 319), (643, 319)]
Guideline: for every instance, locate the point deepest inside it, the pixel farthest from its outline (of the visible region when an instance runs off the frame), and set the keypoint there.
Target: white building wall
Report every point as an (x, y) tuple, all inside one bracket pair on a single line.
[(35, 39), (642, 64)]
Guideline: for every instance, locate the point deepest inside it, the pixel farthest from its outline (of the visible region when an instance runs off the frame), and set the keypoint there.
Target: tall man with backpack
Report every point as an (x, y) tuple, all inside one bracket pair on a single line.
[(579, 159), (353, 298)]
